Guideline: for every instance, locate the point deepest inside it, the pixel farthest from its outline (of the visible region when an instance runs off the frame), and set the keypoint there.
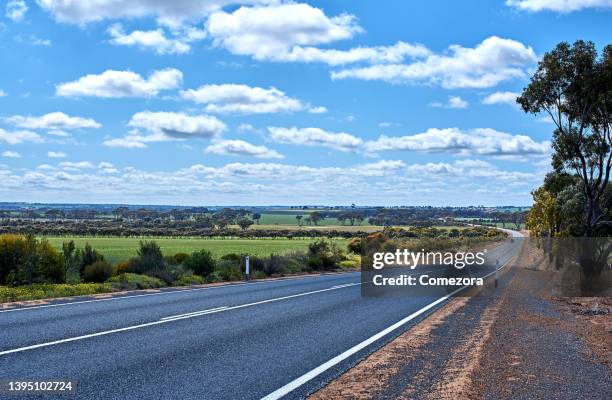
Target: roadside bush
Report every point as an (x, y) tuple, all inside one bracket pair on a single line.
[(88, 256), (50, 290), (180, 258), (98, 272), (354, 245), (122, 267), (229, 270), (323, 255), (201, 262), (187, 280), (232, 257), (25, 260), (130, 281), (161, 274), (149, 258)]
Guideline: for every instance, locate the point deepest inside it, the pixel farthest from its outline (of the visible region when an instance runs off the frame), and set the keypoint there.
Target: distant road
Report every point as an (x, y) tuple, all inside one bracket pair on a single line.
[(277, 339)]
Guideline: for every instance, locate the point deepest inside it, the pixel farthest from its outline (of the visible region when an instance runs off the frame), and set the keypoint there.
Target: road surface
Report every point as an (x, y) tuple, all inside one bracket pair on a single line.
[(267, 339)]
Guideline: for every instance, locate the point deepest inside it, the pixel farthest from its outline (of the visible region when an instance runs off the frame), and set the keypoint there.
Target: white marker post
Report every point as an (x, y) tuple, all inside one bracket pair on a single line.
[(247, 268)]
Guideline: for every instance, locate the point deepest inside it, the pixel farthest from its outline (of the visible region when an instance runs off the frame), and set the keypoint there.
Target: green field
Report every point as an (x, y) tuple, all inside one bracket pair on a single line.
[(117, 249)]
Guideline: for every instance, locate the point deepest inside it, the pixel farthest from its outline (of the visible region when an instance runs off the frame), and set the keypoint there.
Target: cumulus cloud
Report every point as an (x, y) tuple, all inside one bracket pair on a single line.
[(56, 154), (16, 10), (170, 13), (255, 32), (492, 61), (18, 137), (453, 102), (178, 125), (118, 84), (482, 141), (265, 31), (10, 154), (68, 165), (243, 99), (315, 137), (155, 40), (164, 126), (560, 6), (241, 148), (501, 98), (52, 121), (234, 183)]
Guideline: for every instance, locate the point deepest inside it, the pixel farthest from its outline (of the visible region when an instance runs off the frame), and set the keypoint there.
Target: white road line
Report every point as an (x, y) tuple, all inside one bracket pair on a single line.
[(168, 319), (211, 310), (152, 294), (296, 383)]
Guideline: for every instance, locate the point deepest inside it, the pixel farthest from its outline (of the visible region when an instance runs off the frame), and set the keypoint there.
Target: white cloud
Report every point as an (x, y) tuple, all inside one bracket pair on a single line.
[(492, 61), (167, 126), (58, 133), (242, 148), (18, 137), (170, 13), (127, 142), (318, 110), (315, 137), (2, 93), (481, 141), (68, 165), (243, 99), (32, 40), (178, 125), (56, 154), (52, 121), (16, 10), (256, 32), (501, 98), (560, 6), (112, 83), (10, 154), (453, 102), (155, 40), (264, 32)]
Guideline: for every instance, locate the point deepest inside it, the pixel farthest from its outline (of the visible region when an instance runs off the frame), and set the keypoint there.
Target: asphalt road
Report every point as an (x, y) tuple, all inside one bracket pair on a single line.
[(247, 341)]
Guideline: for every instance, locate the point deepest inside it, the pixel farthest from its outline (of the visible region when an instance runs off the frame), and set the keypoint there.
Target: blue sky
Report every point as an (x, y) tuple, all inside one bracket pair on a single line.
[(256, 102)]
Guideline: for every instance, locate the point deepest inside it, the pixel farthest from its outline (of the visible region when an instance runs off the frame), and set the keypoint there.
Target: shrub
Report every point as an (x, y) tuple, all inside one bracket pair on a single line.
[(150, 258), (229, 271), (161, 274), (180, 258), (129, 281), (98, 272), (88, 256), (201, 262), (187, 280), (354, 246), (50, 290), (122, 267)]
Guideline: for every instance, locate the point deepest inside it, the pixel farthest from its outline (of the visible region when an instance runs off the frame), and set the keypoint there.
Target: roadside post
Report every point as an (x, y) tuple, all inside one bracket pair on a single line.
[(247, 268), (496, 271)]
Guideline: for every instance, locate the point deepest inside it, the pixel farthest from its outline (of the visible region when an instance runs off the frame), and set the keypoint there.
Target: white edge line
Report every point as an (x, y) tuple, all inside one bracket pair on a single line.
[(152, 294), (167, 319), (296, 383)]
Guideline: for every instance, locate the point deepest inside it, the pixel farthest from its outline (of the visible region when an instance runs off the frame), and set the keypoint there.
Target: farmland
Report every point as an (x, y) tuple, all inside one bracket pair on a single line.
[(117, 249)]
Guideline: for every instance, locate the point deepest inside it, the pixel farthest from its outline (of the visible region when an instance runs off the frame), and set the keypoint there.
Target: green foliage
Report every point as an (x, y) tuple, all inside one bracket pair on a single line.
[(187, 280), (323, 255), (88, 256), (229, 270), (49, 290), (130, 281), (201, 262), (25, 260), (98, 272)]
